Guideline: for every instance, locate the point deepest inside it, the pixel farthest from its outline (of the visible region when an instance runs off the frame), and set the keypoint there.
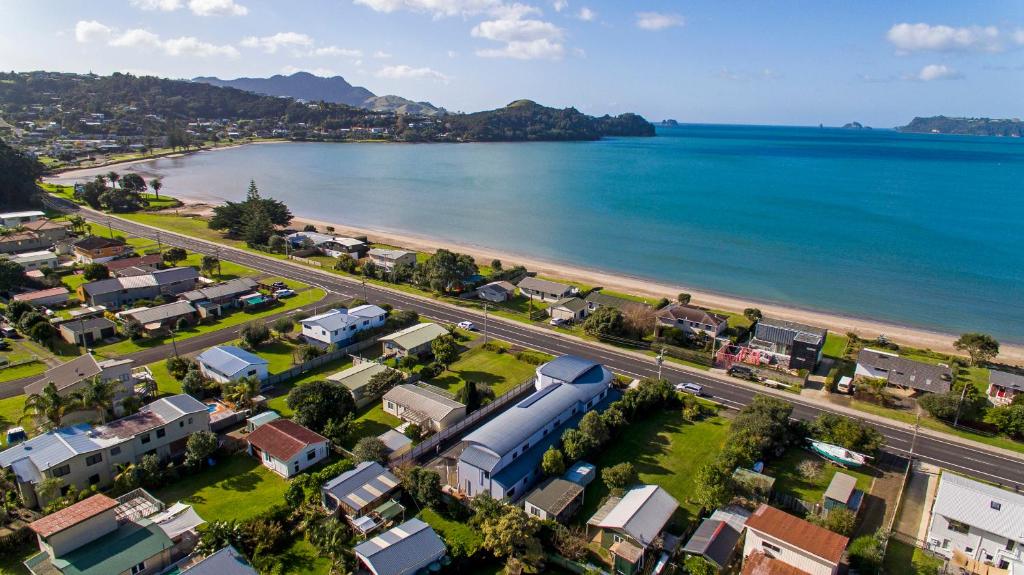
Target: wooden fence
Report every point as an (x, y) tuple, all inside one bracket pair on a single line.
[(316, 362)]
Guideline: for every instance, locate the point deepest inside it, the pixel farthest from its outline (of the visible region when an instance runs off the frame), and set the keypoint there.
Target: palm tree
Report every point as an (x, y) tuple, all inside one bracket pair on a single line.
[(156, 184), (127, 477), (47, 409), (77, 223), (331, 537), (97, 395), (113, 177), (243, 392)]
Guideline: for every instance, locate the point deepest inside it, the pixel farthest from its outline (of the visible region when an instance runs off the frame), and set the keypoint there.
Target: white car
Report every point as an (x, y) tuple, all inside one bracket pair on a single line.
[(466, 325), (283, 293), (557, 321), (691, 388)]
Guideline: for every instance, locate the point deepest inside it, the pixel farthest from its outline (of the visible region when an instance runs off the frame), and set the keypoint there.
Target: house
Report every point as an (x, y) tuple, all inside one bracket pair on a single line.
[(569, 309), (555, 499), (497, 292), (628, 525), (263, 418), (842, 493), (413, 341), (162, 318), (17, 219), (802, 343), (403, 550), (902, 372), (339, 326), (979, 522), (47, 230), (357, 491), (117, 292), (134, 266), (286, 448), (389, 259), (545, 290), (83, 455), (790, 540), (502, 457), (357, 377), (598, 299), (23, 242), (213, 300), (431, 410), (44, 297), (226, 561), (71, 376), (333, 246), (87, 331), (717, 536), (225, 363), (96, 249), (36, 260), (1004, 386), (692, 320)]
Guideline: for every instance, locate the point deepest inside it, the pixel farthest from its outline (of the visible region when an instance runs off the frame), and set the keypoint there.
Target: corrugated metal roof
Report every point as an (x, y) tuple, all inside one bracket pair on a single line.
[(55, 447), (237, 286), (715, 540), (229, 359), (841, 488), (567, 368), (433, 405), (974, 503), (543, 286), (642, 513), (227, 561), (367, 311), (415, 336), (356, 377), (907, 372), (402, 550), (162, 312), (359, 487), (1007, 380)]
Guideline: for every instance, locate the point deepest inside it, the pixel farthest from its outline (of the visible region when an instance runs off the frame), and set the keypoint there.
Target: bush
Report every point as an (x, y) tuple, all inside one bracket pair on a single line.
[(283, 325), (178, 366), (494, 347), (619, 476), (431, 370), (866, 553), (370, 449)]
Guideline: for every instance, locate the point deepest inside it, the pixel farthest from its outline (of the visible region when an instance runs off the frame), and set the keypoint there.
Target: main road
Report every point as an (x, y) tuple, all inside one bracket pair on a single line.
[(942, 450)]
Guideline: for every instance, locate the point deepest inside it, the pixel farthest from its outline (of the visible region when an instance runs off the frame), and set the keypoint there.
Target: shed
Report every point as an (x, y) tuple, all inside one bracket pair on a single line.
[(842, 492), (257, 420), (581, 472), (556, 499)]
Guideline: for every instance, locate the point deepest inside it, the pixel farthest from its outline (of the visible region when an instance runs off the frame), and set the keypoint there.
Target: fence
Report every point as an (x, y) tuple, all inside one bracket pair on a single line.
[(433, 444), (316, 362), (793, 504), (306, 261)]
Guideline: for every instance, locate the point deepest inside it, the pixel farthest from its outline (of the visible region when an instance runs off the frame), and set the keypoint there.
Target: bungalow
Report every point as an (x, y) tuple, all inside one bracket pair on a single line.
[(357, 377), (134, 266), (598, 299), (35, 260), (389, 259), (44, 297), (692, 320), (333, 246), (628, 525), (428, 409), (286, 448), (497, 292), (1003, 386), (226, 561), (225, 363), (262, 419), (413, 341), (339, 326), (901, 372), (802, 343), (17, 219), (96, 249), (86, 332), (545, 290), (569, 309), (556, 499), (357, 491), (117, 292), (212, 300), (162, 318), (23, 241), (776, 536), (406, 549), (71, 376), (717, 536)]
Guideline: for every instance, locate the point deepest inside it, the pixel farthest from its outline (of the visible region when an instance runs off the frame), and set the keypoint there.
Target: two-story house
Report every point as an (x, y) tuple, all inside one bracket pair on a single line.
[(502, 457), (1004, 386), (116, 292), (776, 536), (71, 376), (339, 326), (802, 343), (97, 249), (225, 363)]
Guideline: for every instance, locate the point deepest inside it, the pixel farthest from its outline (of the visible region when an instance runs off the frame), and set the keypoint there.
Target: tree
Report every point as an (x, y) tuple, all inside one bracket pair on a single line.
[(469, 396), (30, 319), (194, 383), (18, 175), (866, 553), (283, 325), (174, 255), (381, 383), (97, 395), (17, 309), (244, 391), (846, 432), (332, 537), (1009, 419), (638, 318), (42, 332), (553, 462), (445, 350), (713, 486), (593, 425), (697, 565), (178, 366), (604, 321), (941, 405), (156, 184), (619, 476), (496, 265), (370, 449), (233, 216), (258, 227), (200, 445), (981, 347), (752, 313), (133, 183), (424, 486), (254, 335), (337, 429), (317, 402), (346, 263), (576, 444), (683, 298), (93, 272), (113, 177), (414, 432), (512, 535), (12, 275), (210, 263), (47, 408), (369, 270), (838, 520)]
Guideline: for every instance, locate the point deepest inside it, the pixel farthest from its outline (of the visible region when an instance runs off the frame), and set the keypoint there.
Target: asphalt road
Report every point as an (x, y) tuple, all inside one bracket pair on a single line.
[(989, 466)]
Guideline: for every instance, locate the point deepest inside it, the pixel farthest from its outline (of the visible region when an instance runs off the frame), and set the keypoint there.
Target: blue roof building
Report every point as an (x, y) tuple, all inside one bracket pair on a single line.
[(226, 363)]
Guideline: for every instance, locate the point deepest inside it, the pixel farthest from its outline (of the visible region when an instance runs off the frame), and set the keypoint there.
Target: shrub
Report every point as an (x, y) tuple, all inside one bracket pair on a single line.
[(431, 370), (178, 366), (619, 476), (370, 449)]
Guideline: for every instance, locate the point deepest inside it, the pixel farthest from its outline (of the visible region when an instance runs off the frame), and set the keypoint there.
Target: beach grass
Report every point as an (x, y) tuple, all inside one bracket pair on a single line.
[(237, 487)]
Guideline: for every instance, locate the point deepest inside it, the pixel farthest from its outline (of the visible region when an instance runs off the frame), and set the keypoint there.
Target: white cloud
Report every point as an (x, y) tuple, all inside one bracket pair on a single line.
[(438, 8), (513, 11), (516, 30), (191, 46), (161, 5), (404, 72), (533, 50), (1018, 36), (336, 51), (937, 72), (453, 54), (322, 72), (658, 20), (217, 8), (560, 5), (271, 44), (91, 31), (136, 38), (923, 37), (381, 55), (586, 14)]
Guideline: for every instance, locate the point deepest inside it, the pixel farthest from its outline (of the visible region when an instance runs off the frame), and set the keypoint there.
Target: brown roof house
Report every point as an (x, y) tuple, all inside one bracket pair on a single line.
[(789, 540), (692, 320), (97, 249), (286, 448)]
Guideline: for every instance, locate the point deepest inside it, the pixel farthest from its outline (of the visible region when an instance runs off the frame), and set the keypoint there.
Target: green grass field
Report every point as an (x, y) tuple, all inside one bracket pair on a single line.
[(835, 345), (456, 534), (301, 558), (238, 487), (788, 479), (22, 370), (500, 371), (11, 410)]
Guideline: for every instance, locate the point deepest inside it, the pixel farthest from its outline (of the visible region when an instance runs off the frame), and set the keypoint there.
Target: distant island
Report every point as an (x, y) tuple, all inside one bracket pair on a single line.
[(669, 122), (1012, 128), (855, 126)]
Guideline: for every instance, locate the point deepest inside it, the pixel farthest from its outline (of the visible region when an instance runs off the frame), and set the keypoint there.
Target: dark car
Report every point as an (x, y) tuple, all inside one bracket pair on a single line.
[(742, 372)]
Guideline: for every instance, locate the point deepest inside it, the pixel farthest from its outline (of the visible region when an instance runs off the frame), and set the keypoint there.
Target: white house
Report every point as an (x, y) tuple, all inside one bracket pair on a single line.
[(388, 259), (776, 536), (15, 219), (545, 290), (286, 448), (339, 326), (35, 260), (226, 363), (980, 521)]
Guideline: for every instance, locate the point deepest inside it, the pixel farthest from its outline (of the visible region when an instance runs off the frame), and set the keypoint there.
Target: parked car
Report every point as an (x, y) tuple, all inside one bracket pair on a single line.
[(8, 331), (742, 372), (466, 325), (557, 321), (279, 285), (283, 293), (691, 388)]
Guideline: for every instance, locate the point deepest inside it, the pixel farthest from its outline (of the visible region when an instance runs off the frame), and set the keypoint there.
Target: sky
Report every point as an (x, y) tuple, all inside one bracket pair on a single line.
[(801, 62)]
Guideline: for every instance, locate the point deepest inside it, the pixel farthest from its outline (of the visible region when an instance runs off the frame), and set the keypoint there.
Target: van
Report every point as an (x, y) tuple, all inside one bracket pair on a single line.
[(741, 371), (845, 384)]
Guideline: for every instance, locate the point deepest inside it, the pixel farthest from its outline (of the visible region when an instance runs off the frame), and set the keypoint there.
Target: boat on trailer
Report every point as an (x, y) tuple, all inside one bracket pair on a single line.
[(838, 454)]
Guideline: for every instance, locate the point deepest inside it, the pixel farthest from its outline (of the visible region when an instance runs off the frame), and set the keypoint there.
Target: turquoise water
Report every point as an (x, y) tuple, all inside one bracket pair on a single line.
[(916, 229)]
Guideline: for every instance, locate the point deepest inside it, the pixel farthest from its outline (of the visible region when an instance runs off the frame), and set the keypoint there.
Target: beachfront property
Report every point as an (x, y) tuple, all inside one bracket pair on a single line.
[(496, 292), (357, 377), (225, 363), (35, 260), (163, 318), (904, 373), (556, 499), (502, 457), (287, 448), (214, 300), (431, 410), (545, 290), (329, 245), (409, 548), (339, 326), (121, 291), (627, 526), (691, 320), (597, 299), (974, 523), (357, 491), (71, 376), (83, 455), (17, 219), (570, 309), (1004, 386), (97, 249), (388, 259), (717, 537), (774, 537), (801, 342), (413, 341), (44, 297)]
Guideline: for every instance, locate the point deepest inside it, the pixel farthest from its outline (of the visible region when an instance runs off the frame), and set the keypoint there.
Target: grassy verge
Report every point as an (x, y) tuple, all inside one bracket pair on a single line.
[(23, 370), (11, 410), (238, 487), (788, 479)]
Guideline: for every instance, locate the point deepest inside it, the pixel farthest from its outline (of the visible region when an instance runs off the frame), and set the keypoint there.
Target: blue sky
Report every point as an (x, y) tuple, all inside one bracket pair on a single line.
[(733, 61)]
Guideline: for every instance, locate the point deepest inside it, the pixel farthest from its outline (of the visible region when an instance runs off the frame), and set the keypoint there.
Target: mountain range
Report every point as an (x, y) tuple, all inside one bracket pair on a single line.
[(312, 88)]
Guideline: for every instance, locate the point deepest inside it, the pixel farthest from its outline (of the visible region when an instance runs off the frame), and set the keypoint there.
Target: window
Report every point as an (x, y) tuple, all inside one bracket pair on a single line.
[(61, 471), (1010, 544), (481, 477), (94, 459), (161, 433), (190, 421), (94, 479), (139, 568), (510, 492), (945, 543), (769, 548), (296, 467), (968, 549), (266, 456), (115, 451), (959, 527), (534, 511), (995, 505), (181, 424), (311, 455), (145, 439)]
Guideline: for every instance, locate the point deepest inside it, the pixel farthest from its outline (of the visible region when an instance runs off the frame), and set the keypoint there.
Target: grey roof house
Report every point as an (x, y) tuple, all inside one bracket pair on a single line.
[(903, 372), (357, 377), (497, 292), (545, 290), (555, 498), (403, 550), (801, 342), (716, 538), (87, 331), (628, 525), (163, 317), (1004, 386), (116, 292), (692, 319), (71, 376), (359, 490), (225, 561), (414, 340), (569, 309), (430, 409)]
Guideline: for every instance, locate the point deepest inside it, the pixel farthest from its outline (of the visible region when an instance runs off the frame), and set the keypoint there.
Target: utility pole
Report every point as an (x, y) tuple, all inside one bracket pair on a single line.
[(959, 404), (159, 244), (660, 359), (174, 344), (485, 323), (364, 290), (913, 441)]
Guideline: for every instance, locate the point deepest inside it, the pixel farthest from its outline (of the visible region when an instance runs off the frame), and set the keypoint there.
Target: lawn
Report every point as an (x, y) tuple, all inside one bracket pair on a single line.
[(455, 533), (789, 481), (165, 382), (278, 402), (301, 558), (500, 371), (238, 487), (908, 560), (192, 226), (22, 370), (371, 421), (72, 281), (10, 413), (666, 450), (835, 345), (280, 354)]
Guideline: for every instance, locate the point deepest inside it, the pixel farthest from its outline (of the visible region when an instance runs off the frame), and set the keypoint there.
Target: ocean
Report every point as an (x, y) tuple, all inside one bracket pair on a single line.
[(921, 230)]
